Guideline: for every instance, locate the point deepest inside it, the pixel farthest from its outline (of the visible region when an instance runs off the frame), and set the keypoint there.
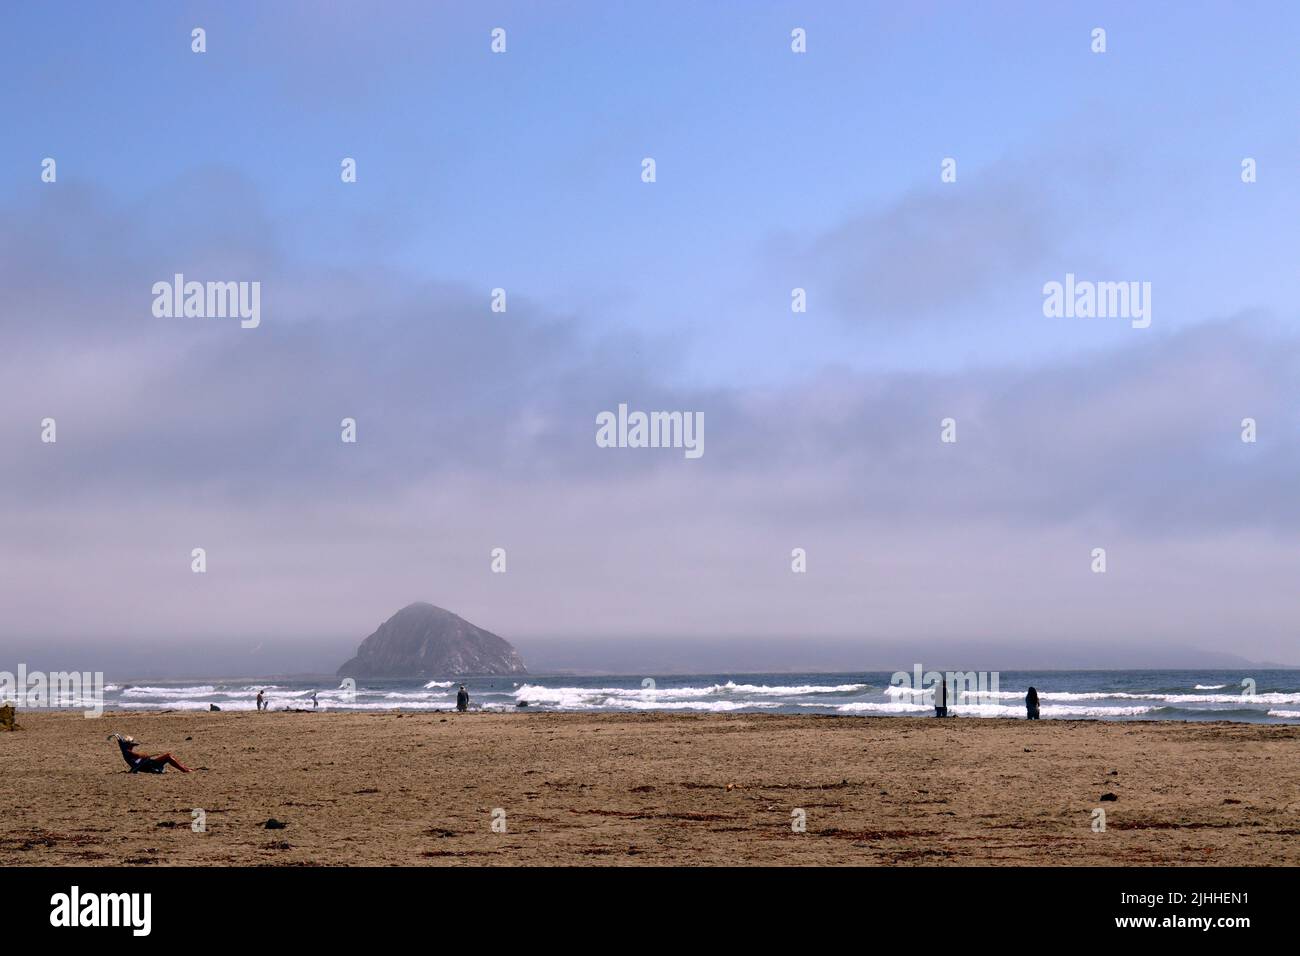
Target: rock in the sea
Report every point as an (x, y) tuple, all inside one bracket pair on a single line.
[(425, 641)]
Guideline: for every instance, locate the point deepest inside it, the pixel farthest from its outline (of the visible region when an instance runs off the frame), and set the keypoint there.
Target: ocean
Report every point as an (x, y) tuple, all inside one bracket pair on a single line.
[(1265, 696)]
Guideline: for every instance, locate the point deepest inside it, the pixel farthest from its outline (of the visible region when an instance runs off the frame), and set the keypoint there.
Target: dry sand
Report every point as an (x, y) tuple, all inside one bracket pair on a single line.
[(418, 789)]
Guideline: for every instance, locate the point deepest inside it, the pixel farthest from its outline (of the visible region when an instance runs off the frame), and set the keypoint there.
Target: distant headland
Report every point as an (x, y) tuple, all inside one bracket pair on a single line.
[(422, 640)]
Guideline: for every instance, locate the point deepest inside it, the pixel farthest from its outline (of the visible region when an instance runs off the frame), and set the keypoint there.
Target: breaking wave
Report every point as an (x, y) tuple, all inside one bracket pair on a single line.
[(1080, 695)]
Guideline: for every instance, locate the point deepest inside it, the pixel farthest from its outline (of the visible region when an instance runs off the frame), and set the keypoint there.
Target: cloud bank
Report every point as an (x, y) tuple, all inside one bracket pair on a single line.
[(476, 430)]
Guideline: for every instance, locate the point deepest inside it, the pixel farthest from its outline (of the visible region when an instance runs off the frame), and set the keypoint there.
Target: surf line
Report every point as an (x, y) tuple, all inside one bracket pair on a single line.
[(964, 687)]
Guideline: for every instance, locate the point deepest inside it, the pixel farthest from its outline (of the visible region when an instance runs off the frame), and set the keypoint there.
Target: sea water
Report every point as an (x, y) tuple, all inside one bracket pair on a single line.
[(1261, 696)]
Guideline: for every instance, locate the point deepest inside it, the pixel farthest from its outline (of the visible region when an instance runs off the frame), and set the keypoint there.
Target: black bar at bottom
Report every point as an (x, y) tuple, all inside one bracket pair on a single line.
[(315, 906)]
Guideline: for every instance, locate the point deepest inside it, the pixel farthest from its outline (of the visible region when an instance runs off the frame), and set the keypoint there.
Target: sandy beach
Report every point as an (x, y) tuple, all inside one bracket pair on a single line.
[(578, 789)]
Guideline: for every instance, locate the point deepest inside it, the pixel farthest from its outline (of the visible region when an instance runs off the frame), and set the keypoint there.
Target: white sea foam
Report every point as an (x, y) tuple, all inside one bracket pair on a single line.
[(202, 690), (799, 690), (1210, 686), (843, 698), (1058, 711), (990, 710), (411, 705), (570, 696), (638, 698), (250, 705), (1272, 698), (534, 693), (704, 705), (872, 707)]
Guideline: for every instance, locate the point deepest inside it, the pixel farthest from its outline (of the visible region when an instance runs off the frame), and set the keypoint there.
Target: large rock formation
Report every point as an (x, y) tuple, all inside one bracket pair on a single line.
[(425, 641)]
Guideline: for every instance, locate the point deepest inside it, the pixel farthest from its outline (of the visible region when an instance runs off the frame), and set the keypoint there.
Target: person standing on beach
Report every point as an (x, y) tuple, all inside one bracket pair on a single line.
[(1031, 704), (462, 699), (941, 699), (261, 700), (314, 702)]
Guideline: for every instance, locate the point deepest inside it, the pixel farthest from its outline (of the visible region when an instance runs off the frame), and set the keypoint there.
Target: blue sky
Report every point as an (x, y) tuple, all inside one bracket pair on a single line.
[(522, 170), (775, 170)]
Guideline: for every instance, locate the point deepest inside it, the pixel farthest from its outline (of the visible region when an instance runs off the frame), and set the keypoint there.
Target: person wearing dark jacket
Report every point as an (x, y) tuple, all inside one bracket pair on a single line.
[(1031, 704), (462, 699)]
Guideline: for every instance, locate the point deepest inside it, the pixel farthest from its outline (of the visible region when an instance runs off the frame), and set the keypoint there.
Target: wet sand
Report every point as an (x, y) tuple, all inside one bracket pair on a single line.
[(577, 789)]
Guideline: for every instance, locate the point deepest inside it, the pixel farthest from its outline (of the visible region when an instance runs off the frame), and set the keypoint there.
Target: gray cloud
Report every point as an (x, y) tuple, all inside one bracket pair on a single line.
[(477, 431), (930, 251)]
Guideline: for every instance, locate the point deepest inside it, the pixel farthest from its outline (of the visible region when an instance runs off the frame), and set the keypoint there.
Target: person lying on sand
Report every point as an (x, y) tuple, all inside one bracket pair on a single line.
[(143, 763)]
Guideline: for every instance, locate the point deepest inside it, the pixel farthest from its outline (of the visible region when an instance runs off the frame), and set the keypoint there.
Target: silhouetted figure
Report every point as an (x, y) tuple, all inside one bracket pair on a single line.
[(1031, 704), (941, 699), (261, 700), (462, 698), (314, 702)]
